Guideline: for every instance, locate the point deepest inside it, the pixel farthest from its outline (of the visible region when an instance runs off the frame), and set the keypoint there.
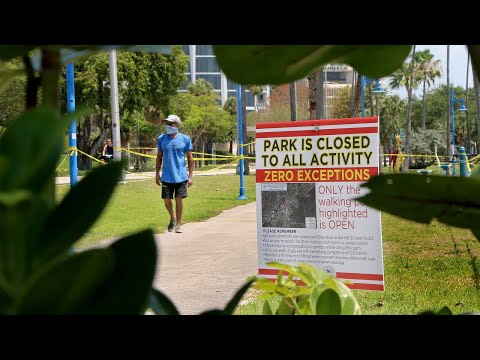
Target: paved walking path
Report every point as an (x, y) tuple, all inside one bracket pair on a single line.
[(204, 266)]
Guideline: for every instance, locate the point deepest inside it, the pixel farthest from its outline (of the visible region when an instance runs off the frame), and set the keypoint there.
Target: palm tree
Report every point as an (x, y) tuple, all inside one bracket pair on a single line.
[(392, 107), (293, 101), (428, 71), (316, 94), (409, 109), (312, 95), (255, 90), (357, 97), (407, 76)]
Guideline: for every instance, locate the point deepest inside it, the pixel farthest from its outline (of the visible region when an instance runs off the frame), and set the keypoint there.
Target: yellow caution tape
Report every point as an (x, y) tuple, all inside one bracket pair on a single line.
[(73, 150), (62, 162), (90, 156), (140, 154)]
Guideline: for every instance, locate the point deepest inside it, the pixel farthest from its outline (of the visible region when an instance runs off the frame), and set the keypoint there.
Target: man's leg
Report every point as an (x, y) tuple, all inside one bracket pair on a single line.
[(180, 193), (169, 206), (179, 209), (173, 221), (167, 194)]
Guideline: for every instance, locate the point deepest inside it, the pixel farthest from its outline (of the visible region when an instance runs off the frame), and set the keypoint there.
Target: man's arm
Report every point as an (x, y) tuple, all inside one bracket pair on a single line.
[(104, 152), (190, 168), (158, 166)]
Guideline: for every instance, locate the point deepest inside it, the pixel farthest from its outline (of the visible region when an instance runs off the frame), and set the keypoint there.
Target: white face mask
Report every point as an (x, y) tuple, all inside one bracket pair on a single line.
[(172, 129)]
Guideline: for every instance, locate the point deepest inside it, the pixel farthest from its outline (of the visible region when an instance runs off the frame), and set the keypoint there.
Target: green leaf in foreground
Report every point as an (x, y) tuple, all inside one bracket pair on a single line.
[(7, 75), (63, 287), (232, 304), (77, 212), (452, 200), (285, 309), (280, 64), (8, 52), (161, 304), (328, 303), (266, 310), (30, 149), (129, 286), (445, 311), (11, 51)]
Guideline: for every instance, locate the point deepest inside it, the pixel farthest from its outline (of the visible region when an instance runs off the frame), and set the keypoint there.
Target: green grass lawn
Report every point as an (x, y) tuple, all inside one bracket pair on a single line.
[(426, 267), (138, 205)]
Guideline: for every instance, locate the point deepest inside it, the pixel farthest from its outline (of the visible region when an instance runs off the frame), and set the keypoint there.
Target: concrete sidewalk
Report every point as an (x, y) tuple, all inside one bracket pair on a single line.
[(204, 266)]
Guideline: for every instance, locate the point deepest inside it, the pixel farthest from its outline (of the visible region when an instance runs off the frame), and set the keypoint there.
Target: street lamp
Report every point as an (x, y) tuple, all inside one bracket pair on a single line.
[(454, 100), (378, 90)]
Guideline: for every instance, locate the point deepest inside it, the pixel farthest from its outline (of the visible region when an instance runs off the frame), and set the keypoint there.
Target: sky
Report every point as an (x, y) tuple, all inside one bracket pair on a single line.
[(458, 64)]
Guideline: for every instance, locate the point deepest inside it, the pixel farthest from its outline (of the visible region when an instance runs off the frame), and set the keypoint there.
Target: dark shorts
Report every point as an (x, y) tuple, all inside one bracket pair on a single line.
[(171, 190)]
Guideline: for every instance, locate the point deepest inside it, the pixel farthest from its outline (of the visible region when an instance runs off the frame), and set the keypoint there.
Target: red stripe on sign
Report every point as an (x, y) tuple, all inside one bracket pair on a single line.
[(271, 272), (366, 286), (287, 124), (315, 174), (362, 130), (345, 275)]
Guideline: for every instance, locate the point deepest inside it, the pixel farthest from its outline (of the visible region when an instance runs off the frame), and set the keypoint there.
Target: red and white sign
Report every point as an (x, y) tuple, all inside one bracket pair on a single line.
[(308, 176)]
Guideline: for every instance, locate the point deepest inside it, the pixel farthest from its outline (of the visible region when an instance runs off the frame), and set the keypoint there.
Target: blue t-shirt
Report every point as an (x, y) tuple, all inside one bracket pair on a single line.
[(174, 167)]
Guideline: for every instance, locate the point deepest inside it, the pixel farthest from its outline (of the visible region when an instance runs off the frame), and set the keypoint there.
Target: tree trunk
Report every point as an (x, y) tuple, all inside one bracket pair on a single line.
[(352, 94), (312, 95), (33, 82), (449, 146), (385, 151), (372, 112), (293, 101), (477, 101), (49, 76), (321, 111), (424, 111), (409, 114), (358, 94)]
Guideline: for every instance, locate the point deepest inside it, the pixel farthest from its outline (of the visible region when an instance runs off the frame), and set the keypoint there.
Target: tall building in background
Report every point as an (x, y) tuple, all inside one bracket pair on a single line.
[(203, 65), (337, 77)]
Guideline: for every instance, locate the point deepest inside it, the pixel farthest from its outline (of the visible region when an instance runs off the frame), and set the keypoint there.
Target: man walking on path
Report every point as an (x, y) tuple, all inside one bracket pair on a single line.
[(172, 148)]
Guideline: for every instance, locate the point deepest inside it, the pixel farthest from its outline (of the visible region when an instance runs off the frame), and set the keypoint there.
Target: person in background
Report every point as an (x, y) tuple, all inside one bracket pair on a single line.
[(107, 153), (172, 148)]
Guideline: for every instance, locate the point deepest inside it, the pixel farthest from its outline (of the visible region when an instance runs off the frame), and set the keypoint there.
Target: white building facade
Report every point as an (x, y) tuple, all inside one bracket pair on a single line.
[(203, 64)]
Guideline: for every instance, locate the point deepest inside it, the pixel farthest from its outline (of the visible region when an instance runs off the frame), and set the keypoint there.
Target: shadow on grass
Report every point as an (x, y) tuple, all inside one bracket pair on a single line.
[(474, 263)]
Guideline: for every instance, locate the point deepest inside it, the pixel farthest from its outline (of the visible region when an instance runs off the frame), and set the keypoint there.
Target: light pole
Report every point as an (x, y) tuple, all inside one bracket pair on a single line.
[(242, 195), (137, 158), (378, 90), (72, 133), (454, 100)]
